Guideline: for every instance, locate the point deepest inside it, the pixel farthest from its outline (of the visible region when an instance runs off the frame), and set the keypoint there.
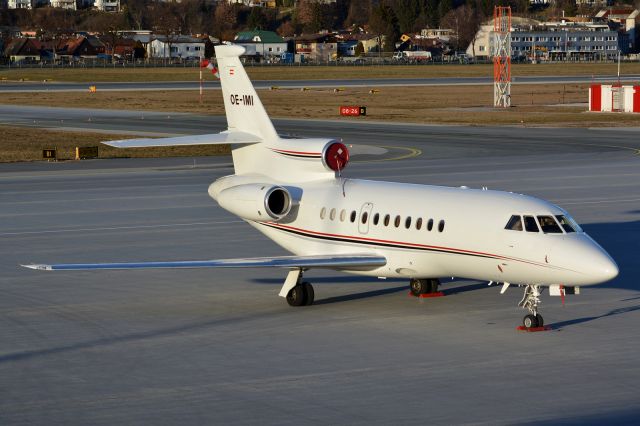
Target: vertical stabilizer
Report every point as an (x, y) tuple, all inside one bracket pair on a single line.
[(244, 109)]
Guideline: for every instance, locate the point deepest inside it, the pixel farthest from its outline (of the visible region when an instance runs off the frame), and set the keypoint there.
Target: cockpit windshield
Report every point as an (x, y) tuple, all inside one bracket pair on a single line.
[(549, 225), (568, 224)]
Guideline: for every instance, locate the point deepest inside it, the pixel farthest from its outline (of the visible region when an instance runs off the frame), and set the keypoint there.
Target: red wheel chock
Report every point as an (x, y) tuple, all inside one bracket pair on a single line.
[(533, 329), (428, 295)]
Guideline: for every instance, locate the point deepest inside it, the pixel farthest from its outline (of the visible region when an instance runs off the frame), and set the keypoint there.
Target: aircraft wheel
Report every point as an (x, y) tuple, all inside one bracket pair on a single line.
[(309, 294), (418, 286), (433, 285), (540, 320), (296, 296), (530, 321)]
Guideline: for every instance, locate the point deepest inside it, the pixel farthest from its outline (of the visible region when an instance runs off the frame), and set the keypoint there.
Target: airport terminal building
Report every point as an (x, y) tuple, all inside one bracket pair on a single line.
[(554, 41), (584, 42)]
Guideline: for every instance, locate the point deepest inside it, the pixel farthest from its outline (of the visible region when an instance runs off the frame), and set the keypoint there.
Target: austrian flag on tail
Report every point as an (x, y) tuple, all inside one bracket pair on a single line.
[(205, 63)]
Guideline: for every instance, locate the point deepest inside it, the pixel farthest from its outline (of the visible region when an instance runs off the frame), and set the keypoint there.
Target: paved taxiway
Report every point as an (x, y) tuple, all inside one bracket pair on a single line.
[(219, 346), (48, 86)]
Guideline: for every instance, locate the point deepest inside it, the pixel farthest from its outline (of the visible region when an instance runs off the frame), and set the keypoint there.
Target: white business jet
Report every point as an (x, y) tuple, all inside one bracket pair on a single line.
[(293, 191)]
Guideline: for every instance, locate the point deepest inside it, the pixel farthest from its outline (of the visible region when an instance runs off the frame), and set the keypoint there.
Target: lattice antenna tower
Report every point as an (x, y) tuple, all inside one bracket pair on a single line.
[(502, 56)]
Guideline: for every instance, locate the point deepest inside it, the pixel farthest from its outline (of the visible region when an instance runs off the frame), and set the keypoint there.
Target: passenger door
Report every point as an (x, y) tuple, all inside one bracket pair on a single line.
[(364, 218)]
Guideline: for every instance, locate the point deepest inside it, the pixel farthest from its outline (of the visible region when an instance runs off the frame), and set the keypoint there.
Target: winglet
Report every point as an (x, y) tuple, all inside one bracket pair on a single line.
[(38, 267)]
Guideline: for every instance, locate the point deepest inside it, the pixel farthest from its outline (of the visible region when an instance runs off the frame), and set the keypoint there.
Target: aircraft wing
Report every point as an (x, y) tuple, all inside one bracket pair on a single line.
[(211, 139), (341, 261)]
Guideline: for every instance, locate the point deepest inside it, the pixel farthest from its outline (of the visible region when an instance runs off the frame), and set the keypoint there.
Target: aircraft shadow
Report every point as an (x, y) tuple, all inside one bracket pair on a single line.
[(343, 279), (619, 311), (362, 295)]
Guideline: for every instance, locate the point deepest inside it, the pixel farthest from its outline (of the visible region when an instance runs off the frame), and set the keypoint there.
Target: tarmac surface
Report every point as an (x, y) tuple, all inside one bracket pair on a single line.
[(48, 86), (219, 346)]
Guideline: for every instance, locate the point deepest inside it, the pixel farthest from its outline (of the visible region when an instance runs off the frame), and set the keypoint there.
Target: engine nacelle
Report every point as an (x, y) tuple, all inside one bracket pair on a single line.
[(255, 201), (335, 156)]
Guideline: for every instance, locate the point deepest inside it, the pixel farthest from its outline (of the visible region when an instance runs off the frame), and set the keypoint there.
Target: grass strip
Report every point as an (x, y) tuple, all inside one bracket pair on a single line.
[(26, 144)]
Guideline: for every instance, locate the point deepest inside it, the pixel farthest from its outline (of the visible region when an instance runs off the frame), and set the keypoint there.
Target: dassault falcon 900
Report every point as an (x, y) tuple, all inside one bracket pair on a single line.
[(294, 192)]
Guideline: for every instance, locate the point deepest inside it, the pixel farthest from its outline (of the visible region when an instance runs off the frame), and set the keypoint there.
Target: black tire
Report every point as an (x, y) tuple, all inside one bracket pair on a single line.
[(530, 321), (309, 294), (417, 286), (433, 285), (540, 320), (296, 296)]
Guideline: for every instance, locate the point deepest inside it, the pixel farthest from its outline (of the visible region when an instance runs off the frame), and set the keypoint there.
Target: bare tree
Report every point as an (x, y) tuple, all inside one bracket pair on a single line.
[(465, 22), (359, 12), (225, 18)]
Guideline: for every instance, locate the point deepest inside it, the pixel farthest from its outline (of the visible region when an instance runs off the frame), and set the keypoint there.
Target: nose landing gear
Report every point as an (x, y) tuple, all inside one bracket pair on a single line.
[(531, 299)]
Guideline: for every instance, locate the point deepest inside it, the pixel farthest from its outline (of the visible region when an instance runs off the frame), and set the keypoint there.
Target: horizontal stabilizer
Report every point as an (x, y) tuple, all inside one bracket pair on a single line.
[(212, 139), (355, 261)]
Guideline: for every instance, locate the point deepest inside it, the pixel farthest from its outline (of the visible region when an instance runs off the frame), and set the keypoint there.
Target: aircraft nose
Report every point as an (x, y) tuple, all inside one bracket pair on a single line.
[(606, 268), (598, 265)]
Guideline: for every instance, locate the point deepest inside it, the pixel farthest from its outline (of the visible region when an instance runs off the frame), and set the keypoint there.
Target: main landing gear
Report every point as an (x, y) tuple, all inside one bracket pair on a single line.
[(301, 295), (424, 287), (296, 292), (530, 301)]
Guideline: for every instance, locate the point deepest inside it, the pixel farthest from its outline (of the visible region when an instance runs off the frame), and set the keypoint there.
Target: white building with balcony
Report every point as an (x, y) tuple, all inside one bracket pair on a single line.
[(64, 4), (19, 4), (176, 46), (107, 5)]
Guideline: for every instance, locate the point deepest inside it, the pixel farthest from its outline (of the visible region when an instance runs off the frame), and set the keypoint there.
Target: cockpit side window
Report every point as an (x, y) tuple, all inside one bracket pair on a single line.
[(530, 224), (515, 223), (567, 224), (549, 225)]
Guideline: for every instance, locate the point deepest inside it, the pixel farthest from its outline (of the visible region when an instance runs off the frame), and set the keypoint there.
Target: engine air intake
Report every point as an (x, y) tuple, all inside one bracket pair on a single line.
[(277, 202)]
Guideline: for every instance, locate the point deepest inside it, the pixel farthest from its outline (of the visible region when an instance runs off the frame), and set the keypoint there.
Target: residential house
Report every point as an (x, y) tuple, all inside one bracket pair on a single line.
[(592, 3), (347, 47), (443, 34), (271, 4), (64, 4), (261, 44), (626, 21), (317, 47), (176, 46), (19, 4), (87, 47), (23, 50), (107, 5)]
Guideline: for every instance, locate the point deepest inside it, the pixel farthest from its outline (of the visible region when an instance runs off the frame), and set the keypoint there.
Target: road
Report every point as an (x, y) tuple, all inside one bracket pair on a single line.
[(36, 87), (219, 346)]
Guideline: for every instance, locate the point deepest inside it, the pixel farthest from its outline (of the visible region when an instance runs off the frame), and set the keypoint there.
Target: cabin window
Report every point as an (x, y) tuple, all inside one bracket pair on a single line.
[(530, 224), (549, 225), (323, 212), (353, 216), (387, 218), (343, 215), (419, 223), (441, 226), (407, 222), (396, 222), (332, 214), (430, 225), (567, 224), (364, 218), (515, 223), (376, 218)]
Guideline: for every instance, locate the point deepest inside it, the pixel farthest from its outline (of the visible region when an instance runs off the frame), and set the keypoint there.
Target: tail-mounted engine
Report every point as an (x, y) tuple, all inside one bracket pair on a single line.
[(258, 202), (335, 156), (329, 154)]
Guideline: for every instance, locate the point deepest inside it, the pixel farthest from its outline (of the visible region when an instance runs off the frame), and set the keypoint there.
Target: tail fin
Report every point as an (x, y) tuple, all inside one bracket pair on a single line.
[(245, 112)]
